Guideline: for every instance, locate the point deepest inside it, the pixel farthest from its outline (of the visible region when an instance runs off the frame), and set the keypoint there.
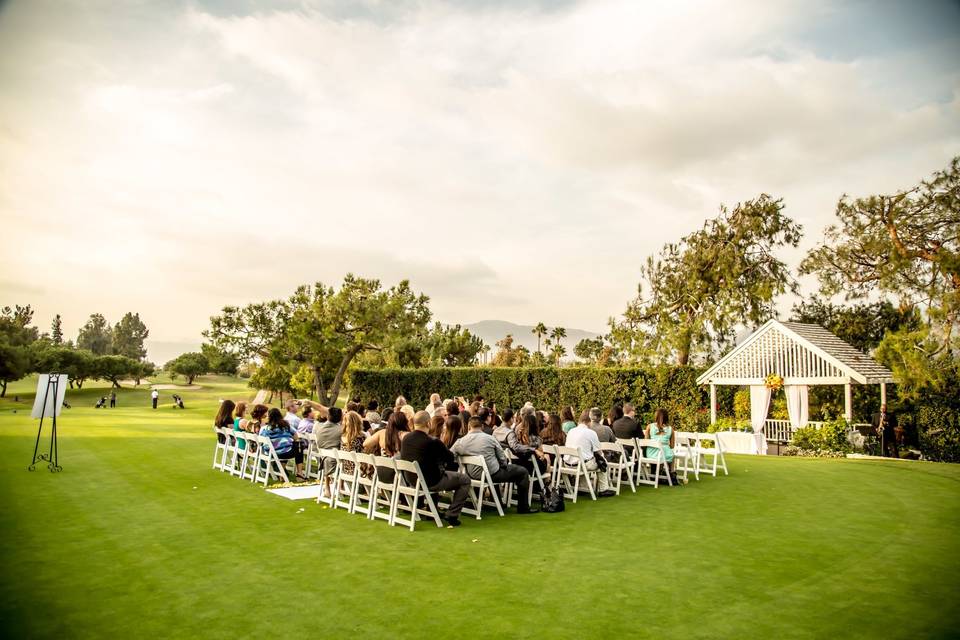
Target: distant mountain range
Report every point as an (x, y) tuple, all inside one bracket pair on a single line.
[(491, 331)]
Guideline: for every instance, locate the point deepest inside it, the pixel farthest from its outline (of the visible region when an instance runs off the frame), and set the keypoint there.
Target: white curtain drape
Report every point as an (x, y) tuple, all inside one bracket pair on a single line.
[(759, 406), (798, 406)]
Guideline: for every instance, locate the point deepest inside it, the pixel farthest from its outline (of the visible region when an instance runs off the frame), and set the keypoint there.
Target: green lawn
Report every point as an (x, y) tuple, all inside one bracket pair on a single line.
[(138, 537)]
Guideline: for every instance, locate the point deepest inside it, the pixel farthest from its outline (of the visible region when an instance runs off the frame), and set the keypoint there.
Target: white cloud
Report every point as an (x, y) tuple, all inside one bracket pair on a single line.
[(514, 163)]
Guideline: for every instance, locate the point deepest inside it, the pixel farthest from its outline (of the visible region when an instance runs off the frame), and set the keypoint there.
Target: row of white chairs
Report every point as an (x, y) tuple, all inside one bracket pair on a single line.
[(248, 456), (389, 495)]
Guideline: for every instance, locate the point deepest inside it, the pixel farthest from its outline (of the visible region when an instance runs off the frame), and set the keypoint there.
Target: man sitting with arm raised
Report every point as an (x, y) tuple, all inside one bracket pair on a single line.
[(478, 443), (433, 456)]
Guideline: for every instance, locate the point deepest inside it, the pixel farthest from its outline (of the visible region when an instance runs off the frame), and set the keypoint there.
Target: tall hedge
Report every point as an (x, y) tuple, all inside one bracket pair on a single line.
[(673, 388)]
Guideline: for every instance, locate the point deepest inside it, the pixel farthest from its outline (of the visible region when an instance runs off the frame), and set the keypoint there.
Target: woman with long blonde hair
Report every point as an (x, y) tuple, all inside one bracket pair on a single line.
[(352, 438)]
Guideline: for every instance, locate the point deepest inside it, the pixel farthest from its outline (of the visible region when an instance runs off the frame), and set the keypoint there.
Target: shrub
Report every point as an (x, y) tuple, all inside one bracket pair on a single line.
[(939, 434), (673, 388), (831, 436), (741, 404)]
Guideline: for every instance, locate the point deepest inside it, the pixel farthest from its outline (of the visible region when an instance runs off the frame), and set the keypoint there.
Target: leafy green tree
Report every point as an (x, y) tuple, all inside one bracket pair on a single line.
[(16, 344), (452, 346), (56, 330), (275, 378), (221, 362), (115, 368), (540, 330), (322, 327), (128, 336), (143, 370), (96, 336), (696, 292), (509, 356), (78, 364), (908, 245), (589, 349), (189, 365), (862, 325)]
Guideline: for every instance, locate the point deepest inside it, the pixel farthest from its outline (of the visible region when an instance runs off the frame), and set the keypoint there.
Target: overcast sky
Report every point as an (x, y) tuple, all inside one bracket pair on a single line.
[(515, 160)]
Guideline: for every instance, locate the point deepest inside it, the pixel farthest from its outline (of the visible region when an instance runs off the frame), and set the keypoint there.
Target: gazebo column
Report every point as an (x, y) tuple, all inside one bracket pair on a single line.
[(848, 402), (883, 393), (713, 403)]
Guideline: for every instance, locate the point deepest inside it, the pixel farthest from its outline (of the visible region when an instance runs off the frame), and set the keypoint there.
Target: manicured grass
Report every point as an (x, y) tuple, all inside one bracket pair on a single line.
[(138, 537)]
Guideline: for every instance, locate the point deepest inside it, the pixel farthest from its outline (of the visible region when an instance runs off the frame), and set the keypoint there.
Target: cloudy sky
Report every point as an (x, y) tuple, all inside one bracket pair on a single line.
[(516, 160)]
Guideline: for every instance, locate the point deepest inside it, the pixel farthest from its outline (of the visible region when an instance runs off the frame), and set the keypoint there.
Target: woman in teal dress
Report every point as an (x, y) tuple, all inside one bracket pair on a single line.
[(661, 431)]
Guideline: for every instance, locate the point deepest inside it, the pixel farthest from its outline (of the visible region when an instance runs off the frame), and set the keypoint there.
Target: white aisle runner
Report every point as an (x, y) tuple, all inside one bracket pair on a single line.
[(305, 492)]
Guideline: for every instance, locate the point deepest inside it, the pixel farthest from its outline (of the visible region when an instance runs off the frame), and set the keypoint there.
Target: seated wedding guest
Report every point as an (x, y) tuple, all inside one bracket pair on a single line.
[(292, 418), (308, 421), (409, 412), (257, 416), (586, 439), (328, 437), (373, 405), (453, 408), (553, 433), (486, 417), (434, 458), (524, 441), (661, 430), (376, 424), (506, 426), (452, 430), (478, 443), (386, 442), (224, 418), (283, 438), (399, 402), (436, 426), (385, 416), (240, 421), (567, 420), (615, 413), (627, 426), (352, 438), (432, 405), (604, 433), (440, 409)]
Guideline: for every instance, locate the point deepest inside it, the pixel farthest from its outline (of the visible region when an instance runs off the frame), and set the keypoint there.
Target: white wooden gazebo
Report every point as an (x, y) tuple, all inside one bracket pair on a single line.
[(803, 355)]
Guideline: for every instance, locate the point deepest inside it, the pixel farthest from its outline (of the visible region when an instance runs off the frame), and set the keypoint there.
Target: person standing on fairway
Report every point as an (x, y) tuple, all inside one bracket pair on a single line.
[(155, 395), (113, 399)]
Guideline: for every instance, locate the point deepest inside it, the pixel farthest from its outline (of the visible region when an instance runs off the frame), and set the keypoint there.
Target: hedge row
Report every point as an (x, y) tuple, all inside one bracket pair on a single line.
[(673, 388)]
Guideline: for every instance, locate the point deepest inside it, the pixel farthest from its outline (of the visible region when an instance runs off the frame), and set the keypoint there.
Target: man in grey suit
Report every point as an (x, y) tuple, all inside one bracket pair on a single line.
[(328, 437), (479, 443)]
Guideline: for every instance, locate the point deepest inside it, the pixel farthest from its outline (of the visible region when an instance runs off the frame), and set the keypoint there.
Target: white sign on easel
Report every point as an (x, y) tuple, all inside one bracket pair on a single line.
[(45, 405)]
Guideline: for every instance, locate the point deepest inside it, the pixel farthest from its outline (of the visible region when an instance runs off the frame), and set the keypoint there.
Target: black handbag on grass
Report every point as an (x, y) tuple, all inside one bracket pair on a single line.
[(552, 499)]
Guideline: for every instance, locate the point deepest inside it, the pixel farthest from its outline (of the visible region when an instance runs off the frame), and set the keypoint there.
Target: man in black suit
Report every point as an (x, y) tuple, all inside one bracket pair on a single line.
[(627, 426), (884, 425)]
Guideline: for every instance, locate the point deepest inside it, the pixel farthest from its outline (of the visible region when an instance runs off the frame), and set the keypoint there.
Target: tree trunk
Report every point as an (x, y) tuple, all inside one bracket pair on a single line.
[(338, 378), (189, 380), (3, 389)]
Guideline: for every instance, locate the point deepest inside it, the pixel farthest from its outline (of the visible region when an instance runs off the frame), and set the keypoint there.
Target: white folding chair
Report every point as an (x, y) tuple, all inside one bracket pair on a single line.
[(709, 455), (311, 460), (365, 498), (322, 455), (220, 451), (653, 463), (617, 466), (407, 497), (536, 479), (249, 456), (345, 490), (269, 464), (479, 487), (551, 451), (385, 471), (629, 448), (575, 470), (685, 456)]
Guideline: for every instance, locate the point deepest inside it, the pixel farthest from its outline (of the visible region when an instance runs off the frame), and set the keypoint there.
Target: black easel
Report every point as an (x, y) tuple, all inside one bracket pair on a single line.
[(53, 387)]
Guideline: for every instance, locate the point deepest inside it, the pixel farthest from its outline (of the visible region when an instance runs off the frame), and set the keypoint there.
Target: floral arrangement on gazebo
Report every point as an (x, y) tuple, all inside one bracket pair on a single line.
[(774, 382)]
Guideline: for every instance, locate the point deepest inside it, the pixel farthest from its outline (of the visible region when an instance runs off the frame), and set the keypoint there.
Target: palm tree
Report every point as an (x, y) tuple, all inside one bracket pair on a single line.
[(485, 350), (557, 333), (558, 352), (540, 330)]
